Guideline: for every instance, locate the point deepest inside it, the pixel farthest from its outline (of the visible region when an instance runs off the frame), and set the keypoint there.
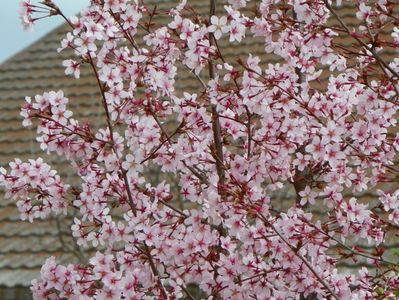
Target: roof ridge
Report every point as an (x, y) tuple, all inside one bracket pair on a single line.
[(45, 36)]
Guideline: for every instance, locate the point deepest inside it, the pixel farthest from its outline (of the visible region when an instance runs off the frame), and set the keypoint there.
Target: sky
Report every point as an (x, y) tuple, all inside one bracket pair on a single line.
[(14, 39)]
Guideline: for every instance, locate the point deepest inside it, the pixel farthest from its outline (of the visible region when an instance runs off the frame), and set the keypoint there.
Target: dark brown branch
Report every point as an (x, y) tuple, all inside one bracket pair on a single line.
[(215, 118), (104, 102), (155, 272), (299, 178)]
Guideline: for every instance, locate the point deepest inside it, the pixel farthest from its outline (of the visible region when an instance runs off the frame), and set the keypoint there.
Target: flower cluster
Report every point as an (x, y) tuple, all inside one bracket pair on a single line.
[(319, 120), (29, 13), (58, 131), (25, 14), (36, 188)]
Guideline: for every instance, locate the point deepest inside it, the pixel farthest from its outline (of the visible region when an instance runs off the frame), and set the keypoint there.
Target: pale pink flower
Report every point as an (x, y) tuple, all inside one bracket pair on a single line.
[(218, 26)]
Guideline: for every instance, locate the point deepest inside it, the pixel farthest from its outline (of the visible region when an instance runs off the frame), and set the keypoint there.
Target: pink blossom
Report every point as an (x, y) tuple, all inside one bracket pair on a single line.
[(307, 196), (236, 30), (364, 12), (25, 14), (218, 26)]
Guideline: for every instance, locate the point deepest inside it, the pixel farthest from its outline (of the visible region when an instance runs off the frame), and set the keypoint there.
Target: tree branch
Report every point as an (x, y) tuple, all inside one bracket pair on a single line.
[(104, 102), (215, 117), (266, 222), (363, 44)]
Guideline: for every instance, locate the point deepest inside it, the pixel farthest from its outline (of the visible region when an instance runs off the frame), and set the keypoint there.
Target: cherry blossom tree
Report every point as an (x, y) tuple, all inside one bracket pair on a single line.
[(321, 121)]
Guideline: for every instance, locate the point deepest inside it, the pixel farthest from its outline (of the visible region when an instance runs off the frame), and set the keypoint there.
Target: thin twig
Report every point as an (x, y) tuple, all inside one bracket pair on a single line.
[(366, 255), (363, 44), (187, 293), (268, 223)]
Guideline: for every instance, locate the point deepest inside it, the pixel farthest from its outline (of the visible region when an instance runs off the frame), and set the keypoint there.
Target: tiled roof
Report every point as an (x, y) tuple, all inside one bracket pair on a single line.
[(25, 246)]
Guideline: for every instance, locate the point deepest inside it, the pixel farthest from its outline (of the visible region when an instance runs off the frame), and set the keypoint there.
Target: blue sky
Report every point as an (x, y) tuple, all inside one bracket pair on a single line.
[(14, 39)]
